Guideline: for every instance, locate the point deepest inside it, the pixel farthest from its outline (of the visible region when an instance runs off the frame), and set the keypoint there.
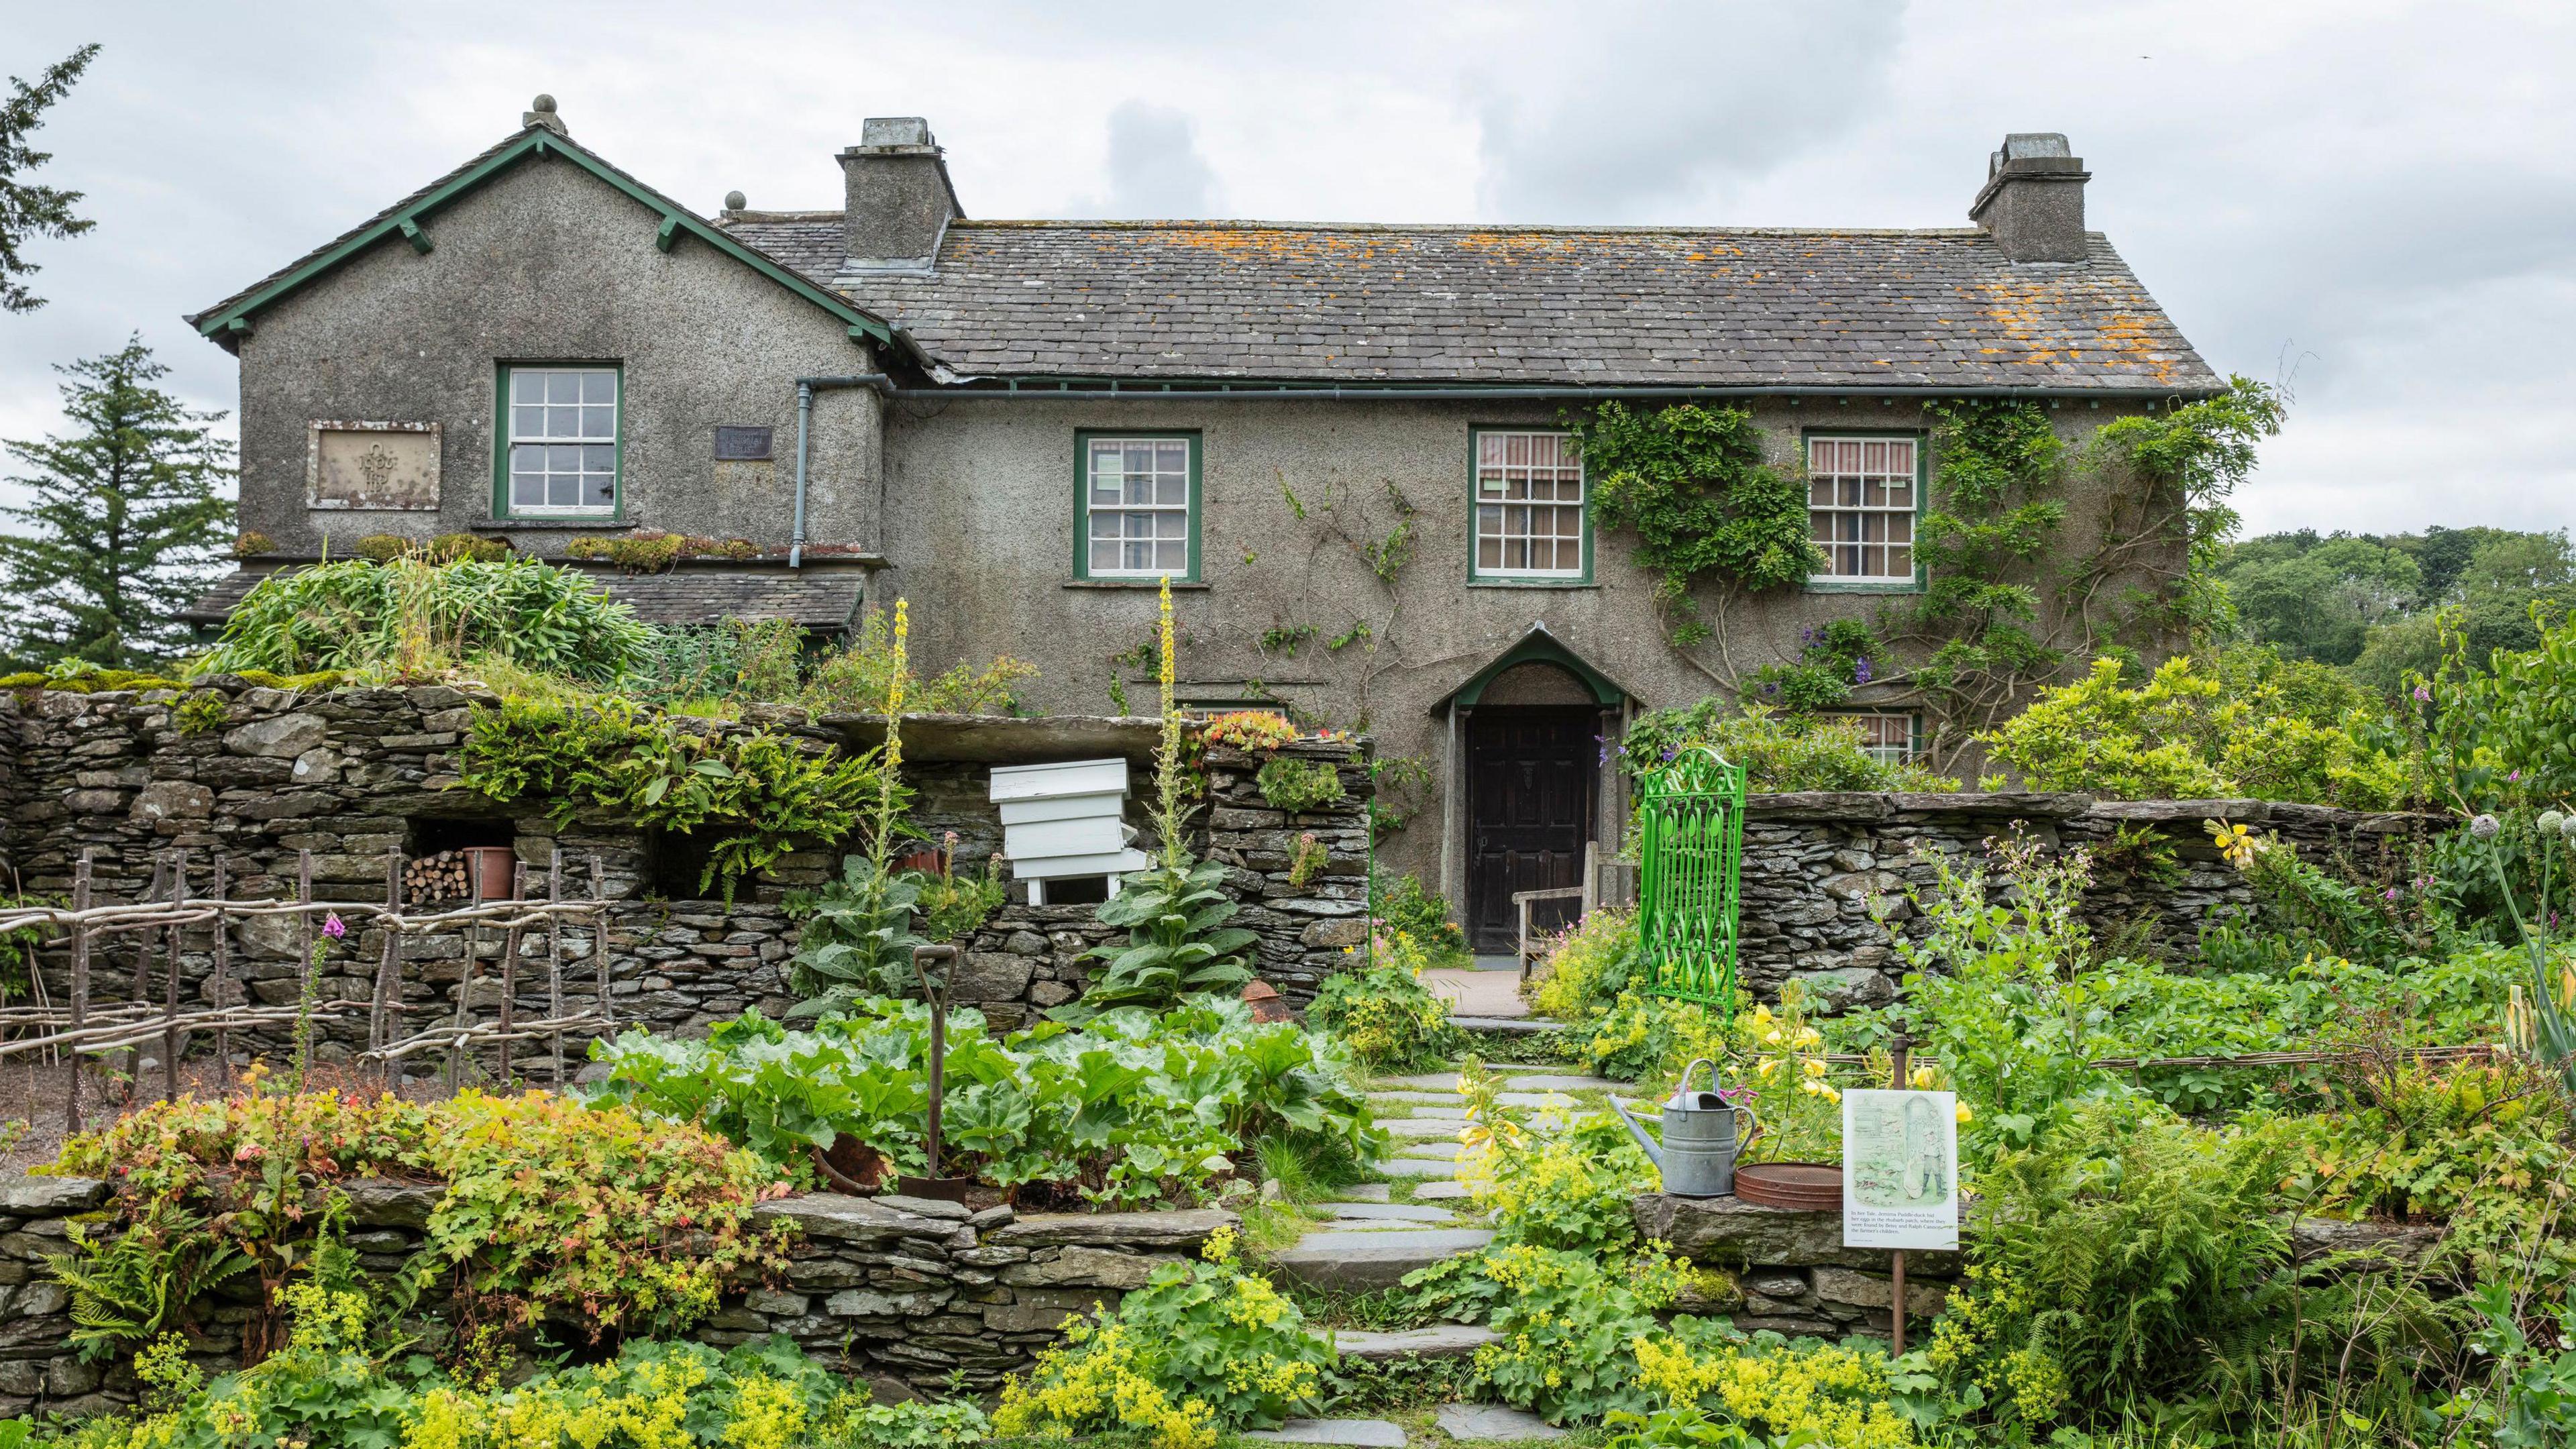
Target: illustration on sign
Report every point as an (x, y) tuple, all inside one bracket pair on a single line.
[(1900, 1170)]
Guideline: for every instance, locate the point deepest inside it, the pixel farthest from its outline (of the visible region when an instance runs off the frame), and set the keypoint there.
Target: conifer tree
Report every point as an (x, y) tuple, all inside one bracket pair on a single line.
[(27, 209), (124, 519)]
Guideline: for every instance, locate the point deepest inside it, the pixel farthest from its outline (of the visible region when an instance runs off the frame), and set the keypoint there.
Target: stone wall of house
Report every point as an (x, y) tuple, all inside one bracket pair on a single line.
[(351, 774), (1817, 865), (1789, 1271), (904, 1291)]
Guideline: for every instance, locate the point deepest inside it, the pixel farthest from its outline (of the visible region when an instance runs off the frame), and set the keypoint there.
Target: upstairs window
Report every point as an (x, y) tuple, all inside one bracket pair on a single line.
[(1861, 498), (1529, 506), (1139, 499), (561, 448)]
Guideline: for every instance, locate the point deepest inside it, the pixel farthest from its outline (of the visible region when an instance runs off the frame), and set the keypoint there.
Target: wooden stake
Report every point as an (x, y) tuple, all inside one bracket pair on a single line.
[(80, 987), (304, 970), (465, 988), (387, 1006), (510, 969), (170, 995), (599, 941), (1900, 1050), (554, 955), (220, 985)]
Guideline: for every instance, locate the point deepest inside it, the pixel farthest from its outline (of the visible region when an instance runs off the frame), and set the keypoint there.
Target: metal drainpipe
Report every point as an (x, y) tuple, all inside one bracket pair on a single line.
[(806, 387)]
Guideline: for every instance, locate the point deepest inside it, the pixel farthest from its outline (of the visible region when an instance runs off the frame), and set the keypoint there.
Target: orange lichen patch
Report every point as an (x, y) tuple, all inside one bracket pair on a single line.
[(1253, 243)]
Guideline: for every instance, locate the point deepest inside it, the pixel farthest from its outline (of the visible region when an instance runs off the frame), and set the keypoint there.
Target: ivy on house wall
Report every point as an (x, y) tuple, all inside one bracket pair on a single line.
[(1691, 482)]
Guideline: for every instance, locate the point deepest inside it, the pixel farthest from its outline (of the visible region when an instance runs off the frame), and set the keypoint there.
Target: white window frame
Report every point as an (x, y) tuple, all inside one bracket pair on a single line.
[(1092, 445), (1841, 502), (513, 440), (1489, 489), (1880, 751)]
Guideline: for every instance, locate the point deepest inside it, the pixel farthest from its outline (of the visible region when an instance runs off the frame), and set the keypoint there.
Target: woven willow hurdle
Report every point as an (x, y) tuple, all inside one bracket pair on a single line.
[(1689, 894)]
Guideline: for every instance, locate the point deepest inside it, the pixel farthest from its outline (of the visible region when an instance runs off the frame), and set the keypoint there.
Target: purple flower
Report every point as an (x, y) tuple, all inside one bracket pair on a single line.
[(2515, 777), (1860, 670), (332, 927), (2486, 827), (2424, 693), (2392, 893)]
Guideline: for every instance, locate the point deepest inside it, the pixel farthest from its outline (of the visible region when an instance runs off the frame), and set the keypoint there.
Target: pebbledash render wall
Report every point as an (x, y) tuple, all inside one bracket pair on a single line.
[(350, 774), (904, 1291)]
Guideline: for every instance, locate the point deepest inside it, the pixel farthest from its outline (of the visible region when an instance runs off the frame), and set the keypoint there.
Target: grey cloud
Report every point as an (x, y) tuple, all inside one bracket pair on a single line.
[(1644, 105), (1155, 169)]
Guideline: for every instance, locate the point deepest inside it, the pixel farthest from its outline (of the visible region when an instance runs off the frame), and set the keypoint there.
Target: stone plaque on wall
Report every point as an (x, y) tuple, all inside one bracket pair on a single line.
[(372, 465)]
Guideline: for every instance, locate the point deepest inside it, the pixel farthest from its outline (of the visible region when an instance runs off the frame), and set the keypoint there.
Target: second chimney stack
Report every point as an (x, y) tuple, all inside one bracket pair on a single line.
[(899, 198), (2033, 200)]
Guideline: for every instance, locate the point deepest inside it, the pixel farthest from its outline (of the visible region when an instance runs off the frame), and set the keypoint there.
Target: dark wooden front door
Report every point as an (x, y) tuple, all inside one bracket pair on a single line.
[(1530, 777)]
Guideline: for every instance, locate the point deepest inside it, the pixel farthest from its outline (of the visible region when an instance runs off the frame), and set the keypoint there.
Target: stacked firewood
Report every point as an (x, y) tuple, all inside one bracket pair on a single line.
[(440, 877)]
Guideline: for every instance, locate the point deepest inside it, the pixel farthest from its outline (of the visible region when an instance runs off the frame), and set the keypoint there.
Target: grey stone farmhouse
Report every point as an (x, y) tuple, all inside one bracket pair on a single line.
[(1023, 426)]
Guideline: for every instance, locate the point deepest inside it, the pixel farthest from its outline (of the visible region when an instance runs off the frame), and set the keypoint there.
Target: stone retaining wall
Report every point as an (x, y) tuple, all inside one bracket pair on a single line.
[(906, 1292), (349, 774), (1814, 863), (1789, 1271)]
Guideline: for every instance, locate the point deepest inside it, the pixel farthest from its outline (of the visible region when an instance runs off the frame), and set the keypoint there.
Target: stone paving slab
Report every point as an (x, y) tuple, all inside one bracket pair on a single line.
[(1420, 1126), (1352, 1259), (1404, 1212), (1363, 1192), (1507, 1025), (1450, 1191), (1451, 1113), (1367, 1433), (1445, 1151), (1421, 1082), (1412, 1096), (1440, 1340), (1417, 1167), (1544, 1082), (1493, 1423)]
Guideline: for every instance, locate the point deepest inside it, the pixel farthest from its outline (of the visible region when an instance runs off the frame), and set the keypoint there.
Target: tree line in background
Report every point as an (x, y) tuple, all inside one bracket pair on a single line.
[(2375, 603)]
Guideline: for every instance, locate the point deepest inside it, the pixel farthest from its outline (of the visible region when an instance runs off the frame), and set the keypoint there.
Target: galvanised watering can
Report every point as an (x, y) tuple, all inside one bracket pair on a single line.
[(1697, 1155)]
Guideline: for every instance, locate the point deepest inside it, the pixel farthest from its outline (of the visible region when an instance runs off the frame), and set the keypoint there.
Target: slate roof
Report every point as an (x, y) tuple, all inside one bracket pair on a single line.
[(816, 599), (1605, 306)]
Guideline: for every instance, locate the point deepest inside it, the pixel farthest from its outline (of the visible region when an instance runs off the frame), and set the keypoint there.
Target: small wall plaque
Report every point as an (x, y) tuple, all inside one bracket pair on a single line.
[(371, 465), (742, 445)]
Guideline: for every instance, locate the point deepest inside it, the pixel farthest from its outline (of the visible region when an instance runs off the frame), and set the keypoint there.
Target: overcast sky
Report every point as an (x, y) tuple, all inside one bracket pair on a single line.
[(2373, 202)]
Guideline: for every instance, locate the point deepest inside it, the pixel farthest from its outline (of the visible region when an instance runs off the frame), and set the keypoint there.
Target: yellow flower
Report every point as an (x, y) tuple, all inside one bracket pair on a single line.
[(1766, 1066), (1965, 1116), (1815, 1068)]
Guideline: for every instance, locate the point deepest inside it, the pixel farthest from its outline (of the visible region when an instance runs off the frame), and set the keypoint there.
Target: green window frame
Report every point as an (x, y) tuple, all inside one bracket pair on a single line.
[(554, 436), (1505, 514), (1133, 536), (1855, 517)]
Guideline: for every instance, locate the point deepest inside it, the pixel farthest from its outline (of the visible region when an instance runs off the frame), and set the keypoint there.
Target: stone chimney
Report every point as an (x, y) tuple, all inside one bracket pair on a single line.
[(2033, 201), (900, 201)]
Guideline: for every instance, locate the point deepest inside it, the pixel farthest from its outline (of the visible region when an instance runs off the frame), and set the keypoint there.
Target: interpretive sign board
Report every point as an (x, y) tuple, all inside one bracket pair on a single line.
[(1900, 1170)]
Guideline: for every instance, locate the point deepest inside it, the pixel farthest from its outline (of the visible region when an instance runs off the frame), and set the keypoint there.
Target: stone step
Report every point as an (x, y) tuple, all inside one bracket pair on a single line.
[(1444, 1151), (1347, 1259), (1450, 1191), (1420, 1081), (1544, 1082), (1363, 1192), (1411, 1096), (1507, 1025), (1420, 1126), (1493, 1424), (1430, 1103), (1403, 1212), (1440, 1340), (1417, 1167), (1366, 1433)]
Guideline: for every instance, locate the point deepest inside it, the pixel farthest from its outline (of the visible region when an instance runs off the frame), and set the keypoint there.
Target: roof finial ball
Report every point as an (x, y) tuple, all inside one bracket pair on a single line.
[(736, 201), (541, 112)]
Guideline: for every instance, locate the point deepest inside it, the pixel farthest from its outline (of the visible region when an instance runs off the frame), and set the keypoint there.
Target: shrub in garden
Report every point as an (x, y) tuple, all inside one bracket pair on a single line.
[(1588, 967), (1403, 903), (1297, 786), (1778, 751), (2198, 732), (1383, 1012), (606, 1218), (411, 617), (1844, 1395), (1202, 1348), (873, 673), (1130, 1109)]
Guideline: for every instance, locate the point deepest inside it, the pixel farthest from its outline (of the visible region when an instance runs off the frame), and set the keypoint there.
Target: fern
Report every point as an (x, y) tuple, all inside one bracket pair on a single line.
[(134, 1287)]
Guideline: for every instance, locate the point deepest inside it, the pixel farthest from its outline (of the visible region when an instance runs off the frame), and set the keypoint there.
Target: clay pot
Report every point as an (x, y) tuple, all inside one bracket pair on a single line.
[(1811, 1187)]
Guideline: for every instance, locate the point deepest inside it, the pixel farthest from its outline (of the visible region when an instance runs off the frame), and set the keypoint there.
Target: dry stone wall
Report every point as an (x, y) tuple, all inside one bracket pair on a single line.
[(904, 1291), (350, 774), (1817, 865)]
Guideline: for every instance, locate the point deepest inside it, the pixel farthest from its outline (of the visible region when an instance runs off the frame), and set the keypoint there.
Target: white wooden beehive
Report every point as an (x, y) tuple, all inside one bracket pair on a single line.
[(1065, 820)]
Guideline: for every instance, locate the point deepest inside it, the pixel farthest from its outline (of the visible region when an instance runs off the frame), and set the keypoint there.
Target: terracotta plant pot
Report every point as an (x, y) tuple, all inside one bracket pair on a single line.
[(851, 1166), (1811, 1187), (491, 866)]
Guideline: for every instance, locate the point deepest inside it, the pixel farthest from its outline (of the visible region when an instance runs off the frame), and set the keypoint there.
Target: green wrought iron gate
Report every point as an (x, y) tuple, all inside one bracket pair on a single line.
[(1690, 818)]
